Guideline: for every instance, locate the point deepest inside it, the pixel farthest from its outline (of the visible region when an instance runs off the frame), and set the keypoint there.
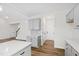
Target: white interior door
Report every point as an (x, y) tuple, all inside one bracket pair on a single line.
[(50, 28), (48, 25)]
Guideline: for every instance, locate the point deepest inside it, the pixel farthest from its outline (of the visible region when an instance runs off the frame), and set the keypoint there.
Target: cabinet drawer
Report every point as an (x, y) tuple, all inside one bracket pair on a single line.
[(24, 52)]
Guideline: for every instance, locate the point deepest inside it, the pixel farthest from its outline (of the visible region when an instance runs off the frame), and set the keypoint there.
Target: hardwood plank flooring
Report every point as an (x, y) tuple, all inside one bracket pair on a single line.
[(47, 50)]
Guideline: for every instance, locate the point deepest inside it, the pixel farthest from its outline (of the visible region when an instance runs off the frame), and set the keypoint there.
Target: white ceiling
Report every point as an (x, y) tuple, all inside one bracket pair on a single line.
[(23, 10)]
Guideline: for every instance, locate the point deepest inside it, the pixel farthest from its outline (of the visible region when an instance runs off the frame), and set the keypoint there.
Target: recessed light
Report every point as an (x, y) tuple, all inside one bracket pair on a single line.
[(6, 17), (1, 8)]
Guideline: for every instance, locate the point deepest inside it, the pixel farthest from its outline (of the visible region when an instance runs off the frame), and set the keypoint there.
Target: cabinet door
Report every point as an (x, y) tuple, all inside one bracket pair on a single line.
[(70, 16), (27, 51), (76, 15), (74, 52), (24, 52), (68, 50)]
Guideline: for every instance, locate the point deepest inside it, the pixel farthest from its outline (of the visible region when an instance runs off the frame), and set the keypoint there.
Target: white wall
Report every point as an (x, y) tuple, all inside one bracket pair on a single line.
[(60, 29), (63, 30), (57, 28), (6, 30)]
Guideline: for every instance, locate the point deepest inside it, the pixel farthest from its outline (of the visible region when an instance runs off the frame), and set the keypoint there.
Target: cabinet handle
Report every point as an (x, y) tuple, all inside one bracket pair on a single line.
[(75, 54), (22, 53)]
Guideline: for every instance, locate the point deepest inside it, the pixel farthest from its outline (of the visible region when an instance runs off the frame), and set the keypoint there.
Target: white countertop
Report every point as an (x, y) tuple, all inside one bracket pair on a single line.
[(11, 47), (74, 43)]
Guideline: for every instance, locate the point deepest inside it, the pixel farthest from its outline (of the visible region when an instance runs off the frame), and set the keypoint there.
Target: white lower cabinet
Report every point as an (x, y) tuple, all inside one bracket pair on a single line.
[(74, 52), (70, 51), (24, 52)]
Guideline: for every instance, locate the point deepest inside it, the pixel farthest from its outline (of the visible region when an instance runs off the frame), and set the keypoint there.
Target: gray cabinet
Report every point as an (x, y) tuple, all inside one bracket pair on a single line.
[(70, 51)]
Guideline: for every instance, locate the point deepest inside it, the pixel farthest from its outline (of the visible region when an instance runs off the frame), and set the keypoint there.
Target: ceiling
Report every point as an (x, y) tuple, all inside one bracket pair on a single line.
[(23, 10)]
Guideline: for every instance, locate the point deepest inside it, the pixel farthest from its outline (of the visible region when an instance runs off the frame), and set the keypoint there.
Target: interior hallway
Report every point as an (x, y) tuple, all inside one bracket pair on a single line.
[(47, 50)]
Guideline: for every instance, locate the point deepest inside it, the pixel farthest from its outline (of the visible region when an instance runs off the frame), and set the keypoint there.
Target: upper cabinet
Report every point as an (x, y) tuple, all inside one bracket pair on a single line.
[(76, 16), (70, 17), (73, 16)]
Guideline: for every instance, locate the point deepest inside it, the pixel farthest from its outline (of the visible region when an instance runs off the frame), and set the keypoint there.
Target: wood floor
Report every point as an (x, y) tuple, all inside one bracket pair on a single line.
[(47, 50)]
